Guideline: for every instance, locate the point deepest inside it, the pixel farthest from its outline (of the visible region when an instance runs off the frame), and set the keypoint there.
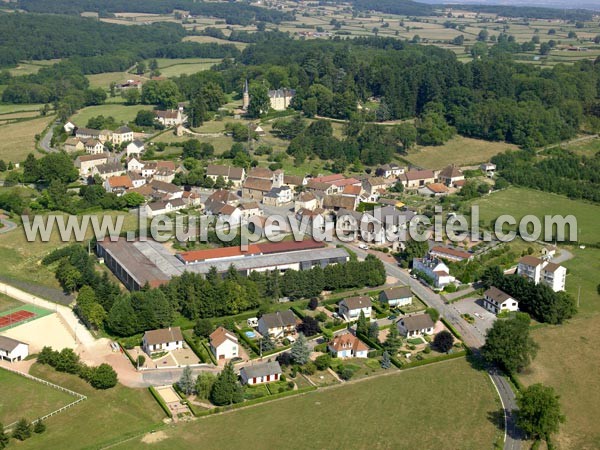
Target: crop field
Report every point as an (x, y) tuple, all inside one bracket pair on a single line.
[(18, 138), (121, 113), (205, 39), (415, 401), (460, 150), (27, 398), (520, 202), (114, 413), (175, 67)]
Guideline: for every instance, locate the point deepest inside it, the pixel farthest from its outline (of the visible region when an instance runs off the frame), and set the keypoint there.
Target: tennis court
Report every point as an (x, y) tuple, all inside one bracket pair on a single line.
[(22, 314)]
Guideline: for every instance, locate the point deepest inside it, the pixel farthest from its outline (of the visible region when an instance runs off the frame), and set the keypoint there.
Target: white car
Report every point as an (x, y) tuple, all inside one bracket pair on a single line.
[(363, 246)]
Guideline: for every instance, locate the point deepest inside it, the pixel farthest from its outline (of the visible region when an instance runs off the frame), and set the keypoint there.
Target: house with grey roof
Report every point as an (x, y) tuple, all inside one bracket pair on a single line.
[(261, 373), (351, 307), (496, 301), (13, 350), (277, 325), (163, 340), (417, 325), (396, 296)]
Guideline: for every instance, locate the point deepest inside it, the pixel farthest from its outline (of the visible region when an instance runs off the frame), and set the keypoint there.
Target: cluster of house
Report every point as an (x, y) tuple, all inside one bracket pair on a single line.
[(541, 270), (93, 141), (434, 267)]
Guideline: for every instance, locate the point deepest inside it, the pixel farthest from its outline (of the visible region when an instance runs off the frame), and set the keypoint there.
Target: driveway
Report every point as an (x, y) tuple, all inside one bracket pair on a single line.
[(474, 307)]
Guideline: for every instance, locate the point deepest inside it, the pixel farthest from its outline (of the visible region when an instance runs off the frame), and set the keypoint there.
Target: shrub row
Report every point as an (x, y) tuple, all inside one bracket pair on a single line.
[(209, 353), (160, 401), (199, 352), (451, 328), (298, 312), (249, 342), (426, 361)]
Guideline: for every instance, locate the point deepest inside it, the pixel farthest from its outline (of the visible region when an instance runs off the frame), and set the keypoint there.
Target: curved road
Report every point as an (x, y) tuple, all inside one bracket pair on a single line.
[(472, 337)]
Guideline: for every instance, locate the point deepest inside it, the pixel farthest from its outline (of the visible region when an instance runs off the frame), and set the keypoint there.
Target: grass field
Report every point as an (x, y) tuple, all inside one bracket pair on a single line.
[(588, 148), (175, 67), (18, 139), (7, 303), (440, 406), (103, 80), (31, 67), (103, 417), (460, 150), (13, 108), (520, 202), (121, 113), (23, 397)]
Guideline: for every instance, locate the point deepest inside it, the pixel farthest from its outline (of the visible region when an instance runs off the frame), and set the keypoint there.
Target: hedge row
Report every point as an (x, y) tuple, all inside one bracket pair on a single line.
[(210, 354), (367, 340), (129, 357), (256, 401), (451, 328), (249, 342), (160, 401), (424, 362), (297, 311)]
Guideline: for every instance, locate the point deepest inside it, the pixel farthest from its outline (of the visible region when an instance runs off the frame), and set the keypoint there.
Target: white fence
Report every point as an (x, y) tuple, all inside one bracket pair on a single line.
[(80, 397)]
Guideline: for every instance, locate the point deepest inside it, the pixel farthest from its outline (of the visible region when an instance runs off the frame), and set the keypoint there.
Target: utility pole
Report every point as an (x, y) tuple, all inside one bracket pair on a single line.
[(578, 296)]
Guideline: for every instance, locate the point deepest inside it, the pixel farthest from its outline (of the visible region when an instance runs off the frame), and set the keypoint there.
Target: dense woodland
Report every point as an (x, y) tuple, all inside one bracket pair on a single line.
[(232, 12), (101, 303)]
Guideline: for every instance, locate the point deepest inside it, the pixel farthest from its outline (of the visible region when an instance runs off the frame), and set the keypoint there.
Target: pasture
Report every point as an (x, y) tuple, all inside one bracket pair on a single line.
[(103, 80), (18, 138), (121, 113), (104, 417), (31, 67), (27, 398), (459, 150), (520, 202), (402, 410), (175, 67)]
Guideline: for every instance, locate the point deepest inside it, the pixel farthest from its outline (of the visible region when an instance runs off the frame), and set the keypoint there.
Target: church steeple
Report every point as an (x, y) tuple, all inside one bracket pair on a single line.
[(246, 96)]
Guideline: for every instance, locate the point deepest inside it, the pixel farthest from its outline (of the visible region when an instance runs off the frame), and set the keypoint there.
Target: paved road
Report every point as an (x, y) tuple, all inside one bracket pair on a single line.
[(46, 139), (471, 337), (8, 225)]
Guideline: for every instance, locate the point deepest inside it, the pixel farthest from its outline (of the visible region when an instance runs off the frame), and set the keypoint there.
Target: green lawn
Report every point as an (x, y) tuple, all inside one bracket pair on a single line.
[(460, 150), (104, 417), (121, 113), (175, 67), (7, 303), (23, 397), (18, 139), (521, 201), (440, 406)]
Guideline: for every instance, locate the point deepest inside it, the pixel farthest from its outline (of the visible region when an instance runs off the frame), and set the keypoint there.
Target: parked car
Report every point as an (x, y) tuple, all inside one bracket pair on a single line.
[(363, 246), (392, 317)]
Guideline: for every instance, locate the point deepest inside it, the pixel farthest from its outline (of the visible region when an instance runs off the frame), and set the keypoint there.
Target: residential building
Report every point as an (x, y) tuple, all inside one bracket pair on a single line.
[(163, 340), (135, 148), (88, 133), (122, 134), (118, 184), (374, 185), (391, 170), (450, 175), (256, 188), (397, 296), (414, 179), (279, 196), (219, 197), (435, 269), (165, 207), (191, 198), (280, 99), (346, 345), (109, 169), (167, 191), (338, 202), (137, 180), (171, 117), (434, 189), (496, 301), (277, 325), (489, 169), (322, 187), (135, 165), (261, 373), (250, 209), (74, 144), (351, 307), (541, 271), (306, 200), (93, 147), (235, 175), (294, 181), (13, 350), (86, 163), (416, 325), (224, 344)]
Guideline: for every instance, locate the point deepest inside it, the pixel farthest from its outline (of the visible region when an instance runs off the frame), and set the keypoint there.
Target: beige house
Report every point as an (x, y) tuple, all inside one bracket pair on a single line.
[(171, 117), (85, 163), (93, 147), (74, 144), (256, 188), (235, 175), (122, 134), (280, 99), (414, 179)]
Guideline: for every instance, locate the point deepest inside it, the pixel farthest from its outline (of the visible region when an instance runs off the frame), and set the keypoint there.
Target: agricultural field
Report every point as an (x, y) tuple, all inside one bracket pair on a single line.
[(18, 138), (588, 148), (103, 80), (121, 113), (520, 202), (31, 67), (114, 413), (25, 256), (23, 397), (406, 410), (568, 358), (175, 67), (205, 39), (460, 150)]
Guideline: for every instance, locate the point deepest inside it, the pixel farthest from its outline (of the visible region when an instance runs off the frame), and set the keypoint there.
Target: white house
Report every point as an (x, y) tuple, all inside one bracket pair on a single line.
[(118, 184), (261, 373), (93, 147), (278, 196), (351, 307), (170, 118), (164, 207), (278, 324), (13, 350), (306, 200), (163, 340), (417, 325), (496, 301), (135, 165), (489, 169), (223, 344), (346, 345), (435, 269), (540, 271), (390, 170), (135, 148), (397, 296), (86, 163), (450, 175)]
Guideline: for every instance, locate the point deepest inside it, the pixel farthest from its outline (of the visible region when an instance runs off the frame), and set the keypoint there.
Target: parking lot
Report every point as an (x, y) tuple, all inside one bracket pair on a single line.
[(474, 306)]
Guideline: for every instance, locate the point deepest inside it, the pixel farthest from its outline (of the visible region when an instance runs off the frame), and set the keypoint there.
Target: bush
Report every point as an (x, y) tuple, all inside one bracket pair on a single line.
[(345, 373), (322, 348), (39, 427), (141, 360), (22, 430), (103, 377), (323, 362), (309, 368)]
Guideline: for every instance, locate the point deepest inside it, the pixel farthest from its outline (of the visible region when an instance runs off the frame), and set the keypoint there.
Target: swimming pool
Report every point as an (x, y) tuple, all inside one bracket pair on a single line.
[(250, 334)]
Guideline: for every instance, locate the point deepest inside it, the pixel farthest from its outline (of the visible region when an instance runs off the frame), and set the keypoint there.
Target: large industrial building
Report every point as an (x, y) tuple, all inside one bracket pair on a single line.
[(137, 263)]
